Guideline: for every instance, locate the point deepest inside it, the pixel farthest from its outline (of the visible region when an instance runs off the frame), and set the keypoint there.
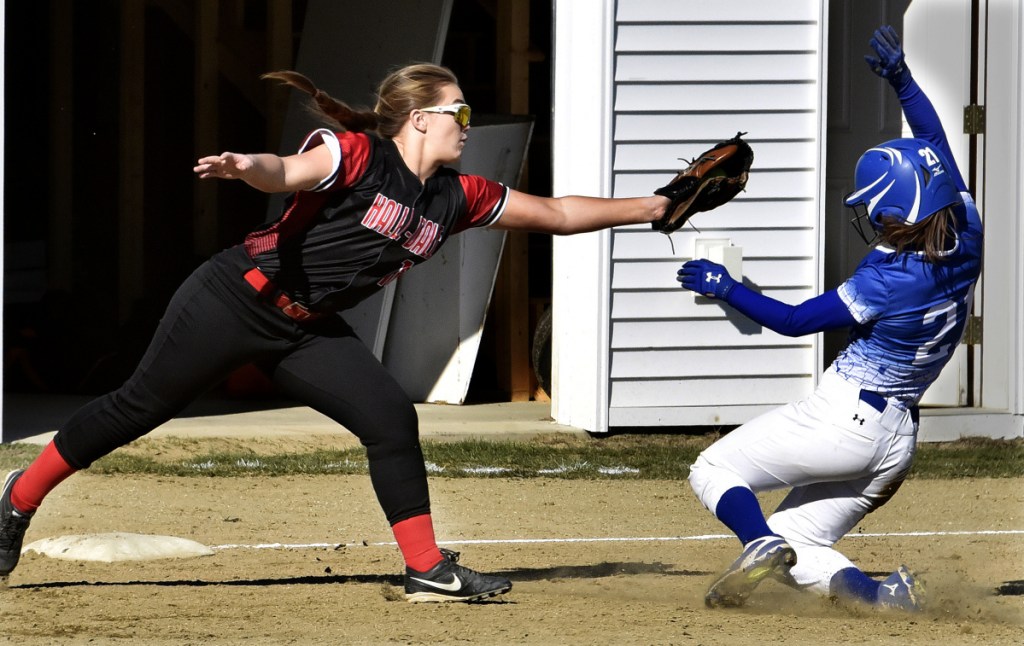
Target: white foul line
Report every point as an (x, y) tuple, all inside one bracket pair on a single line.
[(634, 539)]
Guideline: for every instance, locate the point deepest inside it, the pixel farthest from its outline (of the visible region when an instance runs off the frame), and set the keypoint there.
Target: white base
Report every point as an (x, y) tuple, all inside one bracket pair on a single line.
[(117, 546)]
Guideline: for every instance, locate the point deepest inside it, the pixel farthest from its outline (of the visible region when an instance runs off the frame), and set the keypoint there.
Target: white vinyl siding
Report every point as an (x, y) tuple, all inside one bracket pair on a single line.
[(687, 74)]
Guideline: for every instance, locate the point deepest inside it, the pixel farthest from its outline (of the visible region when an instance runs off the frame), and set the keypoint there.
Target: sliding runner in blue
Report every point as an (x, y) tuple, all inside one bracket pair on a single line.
[(844, 450)]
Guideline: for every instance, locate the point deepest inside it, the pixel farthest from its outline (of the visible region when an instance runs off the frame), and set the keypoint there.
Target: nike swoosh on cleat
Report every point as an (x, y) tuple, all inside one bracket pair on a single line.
[(454, 586)]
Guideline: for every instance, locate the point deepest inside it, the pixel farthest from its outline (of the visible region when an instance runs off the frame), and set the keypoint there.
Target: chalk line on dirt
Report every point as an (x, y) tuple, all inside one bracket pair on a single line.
[(607, 539)]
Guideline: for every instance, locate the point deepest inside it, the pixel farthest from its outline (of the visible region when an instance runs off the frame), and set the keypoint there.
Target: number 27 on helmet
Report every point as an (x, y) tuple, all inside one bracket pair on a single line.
[(901, 179)]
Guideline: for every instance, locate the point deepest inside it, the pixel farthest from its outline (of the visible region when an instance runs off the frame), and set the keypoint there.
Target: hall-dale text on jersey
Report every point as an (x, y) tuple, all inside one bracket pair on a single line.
[(393, 220)]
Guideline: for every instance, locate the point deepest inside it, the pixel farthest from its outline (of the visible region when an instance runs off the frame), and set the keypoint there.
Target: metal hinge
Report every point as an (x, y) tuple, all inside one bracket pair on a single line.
[(972, 335), (974, 119)]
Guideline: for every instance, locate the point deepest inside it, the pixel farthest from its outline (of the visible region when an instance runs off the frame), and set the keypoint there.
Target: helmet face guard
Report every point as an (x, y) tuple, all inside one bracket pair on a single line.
[(901, 179), (860, 222)]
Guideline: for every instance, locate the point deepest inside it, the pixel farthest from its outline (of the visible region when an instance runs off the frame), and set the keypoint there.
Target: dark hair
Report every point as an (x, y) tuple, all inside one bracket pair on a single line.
[(403, 90), (932, 236)]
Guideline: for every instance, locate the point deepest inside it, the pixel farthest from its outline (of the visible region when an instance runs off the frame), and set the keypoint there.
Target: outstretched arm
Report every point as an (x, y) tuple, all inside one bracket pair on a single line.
[(824, 312), (270, 173), (576, 214), (924, 121)]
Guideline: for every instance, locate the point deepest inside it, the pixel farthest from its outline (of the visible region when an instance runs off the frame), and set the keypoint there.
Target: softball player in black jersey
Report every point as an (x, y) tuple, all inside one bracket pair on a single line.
[(368, 200)]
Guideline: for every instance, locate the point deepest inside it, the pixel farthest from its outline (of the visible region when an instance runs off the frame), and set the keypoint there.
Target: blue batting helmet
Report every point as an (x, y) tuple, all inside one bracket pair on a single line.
[(902, 179)]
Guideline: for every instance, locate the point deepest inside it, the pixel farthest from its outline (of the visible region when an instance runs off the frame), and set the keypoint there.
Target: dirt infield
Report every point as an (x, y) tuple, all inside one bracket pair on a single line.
[(582, 585)]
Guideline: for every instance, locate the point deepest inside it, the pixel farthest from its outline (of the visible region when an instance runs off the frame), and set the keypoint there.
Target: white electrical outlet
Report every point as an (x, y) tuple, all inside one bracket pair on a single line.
[(722, 251)]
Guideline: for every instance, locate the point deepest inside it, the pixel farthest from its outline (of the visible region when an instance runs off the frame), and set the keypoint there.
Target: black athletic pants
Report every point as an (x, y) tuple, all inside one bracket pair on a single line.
[(215, 324)]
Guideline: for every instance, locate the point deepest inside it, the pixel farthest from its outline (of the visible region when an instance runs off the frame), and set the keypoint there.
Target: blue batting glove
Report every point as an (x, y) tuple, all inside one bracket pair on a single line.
[(706, 277), (891, 62)]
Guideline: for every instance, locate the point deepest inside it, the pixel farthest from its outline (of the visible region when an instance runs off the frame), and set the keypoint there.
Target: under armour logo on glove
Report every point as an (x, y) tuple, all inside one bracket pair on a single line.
[(706, 277)]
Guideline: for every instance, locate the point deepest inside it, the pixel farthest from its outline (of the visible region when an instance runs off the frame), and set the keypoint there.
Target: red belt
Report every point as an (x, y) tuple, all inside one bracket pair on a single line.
[(277, 298)]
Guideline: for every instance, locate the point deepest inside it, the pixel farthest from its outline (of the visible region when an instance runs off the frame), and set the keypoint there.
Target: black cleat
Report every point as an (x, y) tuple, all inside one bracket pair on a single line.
[(13, 524), (449, 581)]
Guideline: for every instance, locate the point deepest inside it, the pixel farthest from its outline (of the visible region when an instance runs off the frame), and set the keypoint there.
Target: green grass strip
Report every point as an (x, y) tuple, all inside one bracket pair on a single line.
[(624, 457)]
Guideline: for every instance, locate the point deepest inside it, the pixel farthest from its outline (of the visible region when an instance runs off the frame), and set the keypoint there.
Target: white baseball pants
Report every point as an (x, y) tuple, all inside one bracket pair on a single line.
[(842, 457)]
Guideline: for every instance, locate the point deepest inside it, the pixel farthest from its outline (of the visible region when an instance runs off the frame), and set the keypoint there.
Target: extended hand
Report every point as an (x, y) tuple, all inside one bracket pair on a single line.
[(891, 62), (706, 277), (224, 166)]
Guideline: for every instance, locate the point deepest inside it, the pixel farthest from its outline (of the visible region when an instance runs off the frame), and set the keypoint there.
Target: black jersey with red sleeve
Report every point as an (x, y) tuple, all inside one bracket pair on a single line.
[(367, 223)]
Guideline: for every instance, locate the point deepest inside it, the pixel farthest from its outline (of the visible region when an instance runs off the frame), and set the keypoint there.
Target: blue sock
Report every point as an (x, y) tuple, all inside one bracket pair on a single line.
[(739, 510), (852, 584)]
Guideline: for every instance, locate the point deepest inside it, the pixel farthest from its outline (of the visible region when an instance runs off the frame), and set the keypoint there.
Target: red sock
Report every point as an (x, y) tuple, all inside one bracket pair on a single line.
[(415, 538), (39, 479)]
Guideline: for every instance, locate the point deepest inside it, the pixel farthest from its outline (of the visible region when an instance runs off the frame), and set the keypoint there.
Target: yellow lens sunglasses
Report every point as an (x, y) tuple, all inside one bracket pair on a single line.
[(460, 111)]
